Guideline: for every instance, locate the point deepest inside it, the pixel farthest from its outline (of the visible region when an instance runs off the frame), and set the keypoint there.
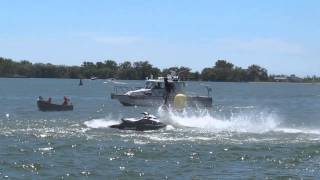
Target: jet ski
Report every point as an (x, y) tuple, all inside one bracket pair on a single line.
[(147, 122)]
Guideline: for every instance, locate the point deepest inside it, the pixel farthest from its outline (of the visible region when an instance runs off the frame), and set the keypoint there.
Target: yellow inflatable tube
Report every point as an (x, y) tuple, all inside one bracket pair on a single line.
[(180, 101)]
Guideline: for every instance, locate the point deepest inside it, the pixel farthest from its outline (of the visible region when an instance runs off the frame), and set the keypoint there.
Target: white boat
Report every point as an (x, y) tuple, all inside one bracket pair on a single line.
[(153, 94), (93, 78)]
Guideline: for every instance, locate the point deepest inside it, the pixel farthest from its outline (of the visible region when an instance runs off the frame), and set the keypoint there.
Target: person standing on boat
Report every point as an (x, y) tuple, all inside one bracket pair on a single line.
[(168, 88)]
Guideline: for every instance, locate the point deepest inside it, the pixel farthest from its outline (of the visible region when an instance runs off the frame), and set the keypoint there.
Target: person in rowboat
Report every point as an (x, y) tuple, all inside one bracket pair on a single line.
[(49, 100), (65, 101)]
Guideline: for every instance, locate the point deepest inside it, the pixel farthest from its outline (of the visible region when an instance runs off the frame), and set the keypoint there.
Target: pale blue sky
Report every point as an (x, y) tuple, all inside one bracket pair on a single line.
[(280, 35)]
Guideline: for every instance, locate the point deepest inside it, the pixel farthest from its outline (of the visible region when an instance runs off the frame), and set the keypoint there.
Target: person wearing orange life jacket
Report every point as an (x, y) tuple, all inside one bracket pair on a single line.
[(65, 101)]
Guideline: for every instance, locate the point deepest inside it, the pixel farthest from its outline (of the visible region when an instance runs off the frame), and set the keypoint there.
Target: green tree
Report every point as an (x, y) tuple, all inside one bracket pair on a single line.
[(208, 74), (126, 71), (257, 73), (223, 71)]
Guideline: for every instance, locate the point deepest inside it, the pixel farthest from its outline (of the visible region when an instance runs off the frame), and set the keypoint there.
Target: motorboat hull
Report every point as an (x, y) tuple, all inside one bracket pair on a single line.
[(193, 101)]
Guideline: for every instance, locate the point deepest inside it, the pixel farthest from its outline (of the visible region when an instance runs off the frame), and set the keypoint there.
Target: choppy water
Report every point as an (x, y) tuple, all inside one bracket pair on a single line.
[(254, 130)]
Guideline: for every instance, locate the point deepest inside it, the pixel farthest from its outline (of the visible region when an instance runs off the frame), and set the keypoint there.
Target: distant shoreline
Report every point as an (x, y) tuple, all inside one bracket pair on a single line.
[(251, 82), (222, 71)]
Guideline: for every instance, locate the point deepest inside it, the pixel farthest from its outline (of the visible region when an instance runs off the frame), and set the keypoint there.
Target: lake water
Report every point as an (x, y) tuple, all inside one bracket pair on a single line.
[(254, 130)]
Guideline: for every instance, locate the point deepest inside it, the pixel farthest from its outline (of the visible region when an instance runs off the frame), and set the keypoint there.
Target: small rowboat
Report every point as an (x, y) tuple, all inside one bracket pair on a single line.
[(46, 106)]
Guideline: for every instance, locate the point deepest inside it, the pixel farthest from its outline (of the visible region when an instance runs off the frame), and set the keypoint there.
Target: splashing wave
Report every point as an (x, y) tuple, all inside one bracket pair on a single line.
[(242, 122), (100, 123)]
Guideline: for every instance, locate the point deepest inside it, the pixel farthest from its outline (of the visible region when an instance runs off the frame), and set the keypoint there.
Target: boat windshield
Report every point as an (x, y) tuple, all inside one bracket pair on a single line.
[(154, 85), (149, 85), (179, 86)]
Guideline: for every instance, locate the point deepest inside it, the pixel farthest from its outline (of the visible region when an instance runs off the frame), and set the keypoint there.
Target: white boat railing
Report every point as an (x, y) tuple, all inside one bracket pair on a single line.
[(119, 90)]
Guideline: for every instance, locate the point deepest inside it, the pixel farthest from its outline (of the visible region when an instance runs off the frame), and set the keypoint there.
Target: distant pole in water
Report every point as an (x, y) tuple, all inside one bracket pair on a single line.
[(80, 83)]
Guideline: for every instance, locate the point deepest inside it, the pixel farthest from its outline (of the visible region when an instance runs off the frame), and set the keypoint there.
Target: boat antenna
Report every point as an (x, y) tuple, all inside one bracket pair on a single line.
[(173, 73), (182, 72), (209, 90)]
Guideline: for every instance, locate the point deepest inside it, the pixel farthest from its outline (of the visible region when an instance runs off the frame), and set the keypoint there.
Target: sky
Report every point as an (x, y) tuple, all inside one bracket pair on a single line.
[(280, 35)]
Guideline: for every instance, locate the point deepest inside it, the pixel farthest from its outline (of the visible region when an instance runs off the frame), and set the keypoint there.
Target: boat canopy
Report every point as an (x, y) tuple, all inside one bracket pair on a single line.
[(158, 84)]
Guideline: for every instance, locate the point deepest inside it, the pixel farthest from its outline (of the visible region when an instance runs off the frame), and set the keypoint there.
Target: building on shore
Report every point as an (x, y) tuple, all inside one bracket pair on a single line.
[(291, 78)]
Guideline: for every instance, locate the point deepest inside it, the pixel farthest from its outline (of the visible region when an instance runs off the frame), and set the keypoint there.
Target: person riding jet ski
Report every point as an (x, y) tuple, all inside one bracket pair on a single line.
[(147, 122)]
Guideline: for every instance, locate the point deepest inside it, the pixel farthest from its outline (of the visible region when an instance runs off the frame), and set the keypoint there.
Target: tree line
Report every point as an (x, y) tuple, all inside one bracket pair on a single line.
[(221, 71)]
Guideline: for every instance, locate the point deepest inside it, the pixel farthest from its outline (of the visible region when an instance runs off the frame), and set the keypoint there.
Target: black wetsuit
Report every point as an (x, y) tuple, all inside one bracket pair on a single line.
[(168, 87)]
